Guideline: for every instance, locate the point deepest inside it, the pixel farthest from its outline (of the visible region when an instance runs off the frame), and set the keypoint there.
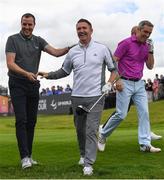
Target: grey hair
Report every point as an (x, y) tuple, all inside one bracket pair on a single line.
[(145, 22)]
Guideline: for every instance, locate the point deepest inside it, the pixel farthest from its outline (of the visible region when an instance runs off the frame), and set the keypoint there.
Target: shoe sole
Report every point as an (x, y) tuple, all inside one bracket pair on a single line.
[(28, 166)]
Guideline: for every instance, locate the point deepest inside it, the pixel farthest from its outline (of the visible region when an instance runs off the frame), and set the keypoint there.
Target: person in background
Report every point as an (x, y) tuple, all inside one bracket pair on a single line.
[(149, 89), (87, 60), (43, 92), (68, 89), (23, 53), (131, 54), (53, 90), (155, 88)]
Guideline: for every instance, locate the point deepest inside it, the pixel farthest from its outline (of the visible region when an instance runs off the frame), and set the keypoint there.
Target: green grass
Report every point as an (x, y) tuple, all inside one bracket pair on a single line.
[(55, 147)]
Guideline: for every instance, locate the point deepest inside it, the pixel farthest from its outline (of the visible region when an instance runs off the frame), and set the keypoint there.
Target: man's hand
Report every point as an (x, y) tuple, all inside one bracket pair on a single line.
[(119, 85), (107, 88), (151, 45), (31, 76), (42, 74), (69, 47)]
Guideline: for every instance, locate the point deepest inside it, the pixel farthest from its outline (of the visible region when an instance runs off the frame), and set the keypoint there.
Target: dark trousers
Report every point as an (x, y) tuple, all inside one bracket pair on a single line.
[(25, 98)]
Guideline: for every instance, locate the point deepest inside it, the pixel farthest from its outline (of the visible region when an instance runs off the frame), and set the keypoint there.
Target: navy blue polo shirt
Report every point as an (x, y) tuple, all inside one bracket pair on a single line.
[(28, 52)]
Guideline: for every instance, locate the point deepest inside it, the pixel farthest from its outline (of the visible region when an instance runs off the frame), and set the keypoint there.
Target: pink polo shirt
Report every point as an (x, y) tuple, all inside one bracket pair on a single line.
[(133, 55)]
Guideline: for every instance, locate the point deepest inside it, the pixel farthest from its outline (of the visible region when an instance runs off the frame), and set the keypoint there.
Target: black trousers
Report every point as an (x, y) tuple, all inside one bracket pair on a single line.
[(25, 98)]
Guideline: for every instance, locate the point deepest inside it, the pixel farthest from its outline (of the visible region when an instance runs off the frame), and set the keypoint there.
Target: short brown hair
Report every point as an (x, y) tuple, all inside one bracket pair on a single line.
[(84, 20), (28, 15)]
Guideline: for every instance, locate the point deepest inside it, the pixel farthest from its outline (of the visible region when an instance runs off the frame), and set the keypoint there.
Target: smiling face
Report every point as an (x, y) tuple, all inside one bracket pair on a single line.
[(27, 24), (144, 33), (84, 32)]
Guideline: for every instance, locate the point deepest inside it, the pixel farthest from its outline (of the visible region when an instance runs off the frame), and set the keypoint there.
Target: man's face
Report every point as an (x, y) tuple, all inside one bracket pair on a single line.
[(27, 25), (84, 32), (144, 33)]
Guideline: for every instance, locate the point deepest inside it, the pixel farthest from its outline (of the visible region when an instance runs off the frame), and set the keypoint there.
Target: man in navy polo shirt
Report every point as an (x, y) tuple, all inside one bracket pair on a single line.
[(23, 52)]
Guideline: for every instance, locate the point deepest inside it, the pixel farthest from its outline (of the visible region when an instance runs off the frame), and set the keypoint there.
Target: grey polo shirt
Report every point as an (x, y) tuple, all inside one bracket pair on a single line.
[(88, 65), (28, 52)]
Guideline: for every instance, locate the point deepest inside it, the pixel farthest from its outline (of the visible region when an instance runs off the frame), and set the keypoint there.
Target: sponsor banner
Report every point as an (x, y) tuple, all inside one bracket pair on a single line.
[(3, 104), (55, 104)]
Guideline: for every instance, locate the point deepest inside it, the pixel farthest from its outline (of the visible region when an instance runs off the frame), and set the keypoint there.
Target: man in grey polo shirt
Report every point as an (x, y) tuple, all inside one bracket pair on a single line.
[(23, 52), (88, 61)]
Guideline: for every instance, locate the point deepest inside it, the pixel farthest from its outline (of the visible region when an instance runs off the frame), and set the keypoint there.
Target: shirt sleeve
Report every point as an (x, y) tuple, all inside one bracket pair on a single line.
[(57, 74), (67, 64), (109, 60), (43, 43), (121, 49), (10, 47)]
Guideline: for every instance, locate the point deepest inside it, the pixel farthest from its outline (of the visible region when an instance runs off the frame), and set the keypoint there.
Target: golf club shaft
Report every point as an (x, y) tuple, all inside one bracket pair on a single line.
[(97, 101)]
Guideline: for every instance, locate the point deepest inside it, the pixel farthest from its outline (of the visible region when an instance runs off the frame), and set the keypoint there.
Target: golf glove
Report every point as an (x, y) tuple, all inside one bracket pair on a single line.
[(107, 88), (151, 45)]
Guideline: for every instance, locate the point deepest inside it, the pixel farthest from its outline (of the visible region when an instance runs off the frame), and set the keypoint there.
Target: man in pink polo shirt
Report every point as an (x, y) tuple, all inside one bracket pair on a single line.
[(153, 135), (131, 54)]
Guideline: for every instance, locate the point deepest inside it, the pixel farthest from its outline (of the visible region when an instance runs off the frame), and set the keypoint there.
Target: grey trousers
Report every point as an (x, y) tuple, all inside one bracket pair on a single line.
[(87, 127)]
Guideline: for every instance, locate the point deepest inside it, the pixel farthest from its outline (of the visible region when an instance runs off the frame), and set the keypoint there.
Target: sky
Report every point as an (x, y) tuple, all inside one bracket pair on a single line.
[(112, 21)]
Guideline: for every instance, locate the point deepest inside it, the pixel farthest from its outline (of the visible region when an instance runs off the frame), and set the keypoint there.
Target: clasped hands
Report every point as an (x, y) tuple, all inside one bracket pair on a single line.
[(42, 74)]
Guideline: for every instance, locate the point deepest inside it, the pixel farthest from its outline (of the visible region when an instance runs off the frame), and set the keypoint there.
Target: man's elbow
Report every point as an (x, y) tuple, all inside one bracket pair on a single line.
[(9, 65), (150, 67)]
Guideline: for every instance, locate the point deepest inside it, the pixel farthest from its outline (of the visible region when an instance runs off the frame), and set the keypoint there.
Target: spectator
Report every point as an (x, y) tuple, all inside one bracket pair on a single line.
[(43, 92), (68, 89), (157, 77), (53, 90), (48, 92), (149, 90), (155, 88)]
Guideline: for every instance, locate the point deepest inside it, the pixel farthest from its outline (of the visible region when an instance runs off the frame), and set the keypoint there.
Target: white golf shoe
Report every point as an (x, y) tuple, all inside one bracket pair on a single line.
[(88, 171), (81, 161), (26, 163), (150, 148), (101, 142), (155, 136), (33, 162)]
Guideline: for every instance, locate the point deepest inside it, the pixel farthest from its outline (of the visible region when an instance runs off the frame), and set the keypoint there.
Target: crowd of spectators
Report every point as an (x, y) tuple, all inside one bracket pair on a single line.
[(155, 88), (55, 90), (3, 91)]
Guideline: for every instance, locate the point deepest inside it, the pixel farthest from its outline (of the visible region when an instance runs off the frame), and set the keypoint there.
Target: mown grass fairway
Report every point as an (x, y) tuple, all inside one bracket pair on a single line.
[(55, 147)]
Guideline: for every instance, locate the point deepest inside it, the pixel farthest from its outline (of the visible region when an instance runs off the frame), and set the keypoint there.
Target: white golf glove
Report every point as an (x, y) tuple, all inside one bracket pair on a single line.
[(107, 88), (151, 45)]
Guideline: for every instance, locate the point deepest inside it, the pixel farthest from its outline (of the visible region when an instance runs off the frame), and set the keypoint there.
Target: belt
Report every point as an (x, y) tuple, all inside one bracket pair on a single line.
[(130, 79)]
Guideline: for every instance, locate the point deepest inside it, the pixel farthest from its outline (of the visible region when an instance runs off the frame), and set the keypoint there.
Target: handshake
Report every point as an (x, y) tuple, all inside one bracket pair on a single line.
[(107, 88), (151, 45)]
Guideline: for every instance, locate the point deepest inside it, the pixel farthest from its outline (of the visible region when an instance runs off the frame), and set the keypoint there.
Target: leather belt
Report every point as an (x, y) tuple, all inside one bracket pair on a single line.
[(130, 79)]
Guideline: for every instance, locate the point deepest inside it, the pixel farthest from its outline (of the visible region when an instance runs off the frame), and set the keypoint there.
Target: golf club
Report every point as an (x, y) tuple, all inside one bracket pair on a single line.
[(80, 110)]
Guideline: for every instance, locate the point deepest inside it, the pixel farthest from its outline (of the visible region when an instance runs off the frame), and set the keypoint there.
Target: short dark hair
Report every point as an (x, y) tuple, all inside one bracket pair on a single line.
[(28, 15), (84, 20), (145, 22)]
